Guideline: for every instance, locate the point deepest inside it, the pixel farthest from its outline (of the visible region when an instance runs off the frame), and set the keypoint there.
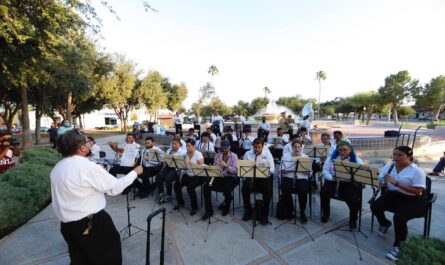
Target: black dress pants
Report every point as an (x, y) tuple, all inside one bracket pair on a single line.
[(168, 175), (298, 186), (102, 245), (148, 172), (404, 207), (224, 185), (263, 186), (350, 192), (191, 182)]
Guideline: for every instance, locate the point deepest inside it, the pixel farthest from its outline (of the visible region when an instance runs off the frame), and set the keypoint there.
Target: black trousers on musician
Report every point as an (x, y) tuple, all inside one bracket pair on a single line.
[(224, 185), (263, 186), (167, 176), (148, 172), (299, 187), (191, 182), (350, 192), (102, 245), (403, 206)]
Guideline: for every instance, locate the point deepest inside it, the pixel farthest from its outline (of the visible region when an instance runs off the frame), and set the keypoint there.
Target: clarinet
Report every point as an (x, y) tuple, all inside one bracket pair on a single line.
[(376, 191)]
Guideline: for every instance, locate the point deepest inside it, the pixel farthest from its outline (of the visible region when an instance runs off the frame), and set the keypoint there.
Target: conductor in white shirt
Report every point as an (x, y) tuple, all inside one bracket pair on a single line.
[(77, 190)]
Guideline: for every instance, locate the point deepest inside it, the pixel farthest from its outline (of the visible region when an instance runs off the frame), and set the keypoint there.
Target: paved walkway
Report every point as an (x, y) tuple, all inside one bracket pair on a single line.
[(40, 242)]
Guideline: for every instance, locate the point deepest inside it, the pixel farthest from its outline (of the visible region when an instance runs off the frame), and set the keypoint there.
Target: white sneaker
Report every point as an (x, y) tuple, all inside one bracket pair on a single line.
[(393, 253), (383, 229)]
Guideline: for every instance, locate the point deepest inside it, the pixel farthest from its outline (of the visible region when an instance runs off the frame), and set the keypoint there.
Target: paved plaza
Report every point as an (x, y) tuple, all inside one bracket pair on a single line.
[(40, 242)]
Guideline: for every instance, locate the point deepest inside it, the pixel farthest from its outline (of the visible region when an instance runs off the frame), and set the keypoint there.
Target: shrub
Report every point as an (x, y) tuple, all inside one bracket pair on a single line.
[(418, 251), (25, 189), (42, 155), (431, 126)]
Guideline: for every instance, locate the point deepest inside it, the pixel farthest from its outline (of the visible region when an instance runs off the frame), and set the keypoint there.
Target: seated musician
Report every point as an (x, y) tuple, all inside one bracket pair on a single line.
[(262, 158), (191, 134), (405, 184), (150, 166), (228, 161), (193, 157), (178, 136), (326, 140), (291, 184), (338, 136), (305, 138), (127, 163), (169, 174), (246, 142), (263, 129), (212, 136), (94, 150), (232, 132), (205, 145), (347, 190), (288, 147)]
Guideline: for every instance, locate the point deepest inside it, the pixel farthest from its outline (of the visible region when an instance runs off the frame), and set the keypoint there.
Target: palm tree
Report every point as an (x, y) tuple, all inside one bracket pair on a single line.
[(320, 75), (213, 70), (266, 91)]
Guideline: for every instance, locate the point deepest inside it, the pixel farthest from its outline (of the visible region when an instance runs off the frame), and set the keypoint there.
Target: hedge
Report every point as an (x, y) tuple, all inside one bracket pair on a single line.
[(419, 251), (25, 189)]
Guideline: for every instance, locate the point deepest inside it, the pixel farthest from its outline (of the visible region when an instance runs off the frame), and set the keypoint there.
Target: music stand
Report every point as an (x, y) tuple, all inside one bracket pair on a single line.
[(128, 227), (205, 171), (316, 151), (354, 172), (209, 157), (297, 165), (177, 162), (248, 169)]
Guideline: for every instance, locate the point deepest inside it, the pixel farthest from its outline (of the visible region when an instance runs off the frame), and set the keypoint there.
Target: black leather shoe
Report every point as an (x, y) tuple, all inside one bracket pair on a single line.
[(324, 218), (221, 206), (207, 216), (225, 211), (264, 221), (193, 212), (303, 218), (247, 215)]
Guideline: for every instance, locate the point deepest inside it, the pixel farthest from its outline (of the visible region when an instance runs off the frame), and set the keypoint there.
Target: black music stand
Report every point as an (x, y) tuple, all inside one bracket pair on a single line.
[(177, 162), (302, 165), (316, 151), (248, 169), (209, 157), (356, 173), (127, 228), (208, 172)]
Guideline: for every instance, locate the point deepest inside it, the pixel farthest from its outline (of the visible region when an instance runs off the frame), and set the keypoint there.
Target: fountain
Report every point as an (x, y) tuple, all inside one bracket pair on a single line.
[(272, 113)]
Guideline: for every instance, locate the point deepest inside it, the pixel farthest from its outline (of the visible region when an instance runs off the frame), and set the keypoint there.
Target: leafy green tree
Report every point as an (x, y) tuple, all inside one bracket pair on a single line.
[(176, 94), (241, 108), (397, 88), (320, 76), (257, 104), (216, 104), (213, 70), (432, 95), (294, 103), (119, 90), (366, 103), (150, 92), (206, 93)]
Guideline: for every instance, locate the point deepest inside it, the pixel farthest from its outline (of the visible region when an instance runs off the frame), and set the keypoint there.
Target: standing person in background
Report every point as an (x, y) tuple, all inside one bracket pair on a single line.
[(263, 129), (53, 136), (306, 123), (217, 122), (77, 191), (66, 126), (177, 120)]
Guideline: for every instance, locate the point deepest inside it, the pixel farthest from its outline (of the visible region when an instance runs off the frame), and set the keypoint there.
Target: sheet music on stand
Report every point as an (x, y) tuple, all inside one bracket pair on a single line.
[(177, 162), (346, 170), (297, 165), (246, 170), (155, 155), (207, 171), (320, 151)]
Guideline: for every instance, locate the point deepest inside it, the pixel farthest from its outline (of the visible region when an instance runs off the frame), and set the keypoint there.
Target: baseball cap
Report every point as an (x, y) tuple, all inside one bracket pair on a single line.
[(225, 145)]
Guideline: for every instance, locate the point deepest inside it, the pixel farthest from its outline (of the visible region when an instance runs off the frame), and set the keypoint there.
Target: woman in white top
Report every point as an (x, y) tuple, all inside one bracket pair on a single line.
[(405, 184), (350, 192), (290, 183), (193, 157)]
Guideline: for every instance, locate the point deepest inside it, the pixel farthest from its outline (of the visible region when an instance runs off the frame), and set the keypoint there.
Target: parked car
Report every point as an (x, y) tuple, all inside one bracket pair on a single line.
[(423, 118)]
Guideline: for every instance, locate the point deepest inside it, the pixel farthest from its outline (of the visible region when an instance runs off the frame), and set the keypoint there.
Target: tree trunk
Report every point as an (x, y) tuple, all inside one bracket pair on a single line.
[(69, 107), (394, 112), (437, 111), (38, 117), (369, 113), (26, 133), (80, 122)]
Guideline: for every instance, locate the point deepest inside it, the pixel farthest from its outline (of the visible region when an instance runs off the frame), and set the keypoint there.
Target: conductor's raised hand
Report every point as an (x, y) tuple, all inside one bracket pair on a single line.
[(138, 170)]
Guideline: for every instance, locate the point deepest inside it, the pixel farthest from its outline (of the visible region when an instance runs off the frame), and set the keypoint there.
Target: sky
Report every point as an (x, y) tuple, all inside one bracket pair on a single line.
[(279, 44)]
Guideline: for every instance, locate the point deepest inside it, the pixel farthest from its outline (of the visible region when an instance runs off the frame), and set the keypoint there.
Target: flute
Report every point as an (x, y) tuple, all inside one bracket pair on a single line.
[(379, 188)]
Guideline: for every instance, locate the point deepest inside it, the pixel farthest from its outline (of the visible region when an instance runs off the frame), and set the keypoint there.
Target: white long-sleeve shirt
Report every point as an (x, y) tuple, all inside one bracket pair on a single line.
[(288, 165), (264, 125), (262, 160), (78, 186), (328, 168)]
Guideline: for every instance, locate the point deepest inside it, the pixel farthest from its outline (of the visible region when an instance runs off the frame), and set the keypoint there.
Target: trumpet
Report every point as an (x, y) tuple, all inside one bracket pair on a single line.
[(379, 188)]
